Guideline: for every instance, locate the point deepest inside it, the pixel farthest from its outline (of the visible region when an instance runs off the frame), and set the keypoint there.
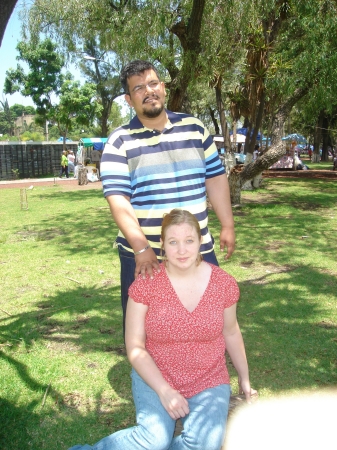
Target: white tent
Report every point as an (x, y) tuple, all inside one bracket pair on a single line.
[(240, 138)]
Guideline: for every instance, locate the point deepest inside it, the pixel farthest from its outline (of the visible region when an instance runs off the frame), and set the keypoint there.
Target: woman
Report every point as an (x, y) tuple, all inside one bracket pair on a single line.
[(71, 162), (64, 165), (178, 326)]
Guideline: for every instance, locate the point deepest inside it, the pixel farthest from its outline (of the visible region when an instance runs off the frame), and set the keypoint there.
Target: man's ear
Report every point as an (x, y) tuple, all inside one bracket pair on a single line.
[(128, 100), (163, 84)]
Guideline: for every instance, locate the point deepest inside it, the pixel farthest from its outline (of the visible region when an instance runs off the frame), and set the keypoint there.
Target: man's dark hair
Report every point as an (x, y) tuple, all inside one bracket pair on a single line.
[(136, 67)]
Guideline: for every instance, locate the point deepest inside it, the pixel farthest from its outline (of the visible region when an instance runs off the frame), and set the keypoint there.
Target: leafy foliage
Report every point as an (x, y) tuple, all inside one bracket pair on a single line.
[(45, 81), (44, 78)]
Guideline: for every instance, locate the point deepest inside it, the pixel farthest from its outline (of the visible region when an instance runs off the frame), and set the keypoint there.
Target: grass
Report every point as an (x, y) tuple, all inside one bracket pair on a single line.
[(322, 165), (64, 378)]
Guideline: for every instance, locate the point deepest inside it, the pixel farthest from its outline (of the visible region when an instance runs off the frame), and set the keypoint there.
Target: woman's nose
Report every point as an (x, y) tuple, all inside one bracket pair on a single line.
[(181, 247)]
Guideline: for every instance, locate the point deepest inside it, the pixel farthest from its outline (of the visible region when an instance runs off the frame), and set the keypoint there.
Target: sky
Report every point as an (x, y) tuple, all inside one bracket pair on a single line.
[(8, 54)]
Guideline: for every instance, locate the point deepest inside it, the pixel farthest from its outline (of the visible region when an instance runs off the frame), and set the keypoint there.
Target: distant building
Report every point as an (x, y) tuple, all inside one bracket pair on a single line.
[(22, 123)]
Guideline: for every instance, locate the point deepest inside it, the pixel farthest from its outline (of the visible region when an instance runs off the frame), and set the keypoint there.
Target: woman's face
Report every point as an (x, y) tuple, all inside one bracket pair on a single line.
[(181, 245)]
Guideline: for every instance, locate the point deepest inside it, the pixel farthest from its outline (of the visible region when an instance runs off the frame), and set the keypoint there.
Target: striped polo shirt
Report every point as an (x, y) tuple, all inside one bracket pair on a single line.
[(160, 171)]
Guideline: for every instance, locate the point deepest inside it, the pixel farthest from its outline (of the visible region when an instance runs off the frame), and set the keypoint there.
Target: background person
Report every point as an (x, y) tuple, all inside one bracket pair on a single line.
[(178, 327), (71, 161), (64, 165), (159, 161)]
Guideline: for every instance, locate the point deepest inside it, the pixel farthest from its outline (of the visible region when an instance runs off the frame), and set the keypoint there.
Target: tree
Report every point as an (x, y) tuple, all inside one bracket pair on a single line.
[(45, 81), (115, 118), (106, 78), (261, 58), (170, 29), (19, 110), (6, 118), (76, 104)]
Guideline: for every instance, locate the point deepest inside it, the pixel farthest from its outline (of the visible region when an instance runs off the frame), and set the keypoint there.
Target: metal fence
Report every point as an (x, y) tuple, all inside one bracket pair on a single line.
[(31, 159)]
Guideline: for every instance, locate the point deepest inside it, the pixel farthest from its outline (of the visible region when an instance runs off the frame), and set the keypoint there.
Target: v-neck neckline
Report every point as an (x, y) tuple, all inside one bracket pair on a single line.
[(201, 297)]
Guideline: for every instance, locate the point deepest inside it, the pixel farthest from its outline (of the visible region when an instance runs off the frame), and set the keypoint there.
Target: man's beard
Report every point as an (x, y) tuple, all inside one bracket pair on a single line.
[(153, 112)]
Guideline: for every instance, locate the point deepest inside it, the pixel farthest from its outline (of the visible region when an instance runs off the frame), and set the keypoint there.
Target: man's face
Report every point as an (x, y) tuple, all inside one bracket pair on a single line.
[(146, 94)]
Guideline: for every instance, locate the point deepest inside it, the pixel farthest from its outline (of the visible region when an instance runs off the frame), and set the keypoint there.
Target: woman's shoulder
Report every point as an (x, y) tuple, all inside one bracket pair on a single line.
[(149, 283), (222, 275)]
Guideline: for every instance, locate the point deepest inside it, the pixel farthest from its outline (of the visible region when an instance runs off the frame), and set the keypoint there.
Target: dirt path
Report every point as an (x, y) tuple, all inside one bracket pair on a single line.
[(314, 174), (71, 184)]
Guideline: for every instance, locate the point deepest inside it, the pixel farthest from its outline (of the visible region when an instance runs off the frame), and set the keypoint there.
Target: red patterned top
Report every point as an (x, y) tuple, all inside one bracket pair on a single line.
[(187, 347)]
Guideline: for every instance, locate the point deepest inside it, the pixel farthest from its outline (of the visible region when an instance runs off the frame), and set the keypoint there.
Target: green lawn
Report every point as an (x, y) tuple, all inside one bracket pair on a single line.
[(64, 378)]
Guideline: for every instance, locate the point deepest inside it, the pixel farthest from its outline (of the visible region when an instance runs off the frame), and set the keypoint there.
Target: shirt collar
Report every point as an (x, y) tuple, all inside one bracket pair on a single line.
[(173, 118)]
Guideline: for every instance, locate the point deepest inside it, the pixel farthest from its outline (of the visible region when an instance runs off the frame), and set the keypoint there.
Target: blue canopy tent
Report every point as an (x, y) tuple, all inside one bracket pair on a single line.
[(295, 137), (244, 132), (95, 143), (86, 155)]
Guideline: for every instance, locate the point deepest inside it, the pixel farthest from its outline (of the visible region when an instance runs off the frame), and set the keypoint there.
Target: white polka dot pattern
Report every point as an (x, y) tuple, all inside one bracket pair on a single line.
[(188, 347)]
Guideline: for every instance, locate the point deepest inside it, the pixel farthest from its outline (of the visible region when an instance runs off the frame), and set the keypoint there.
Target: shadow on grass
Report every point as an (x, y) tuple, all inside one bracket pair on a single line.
[(290, 344), (80, 228), (289, 329), (79, 324)]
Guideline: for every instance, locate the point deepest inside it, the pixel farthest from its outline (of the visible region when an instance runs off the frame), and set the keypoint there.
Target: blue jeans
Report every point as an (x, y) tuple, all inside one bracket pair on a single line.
[(204, 426), (128, 266)]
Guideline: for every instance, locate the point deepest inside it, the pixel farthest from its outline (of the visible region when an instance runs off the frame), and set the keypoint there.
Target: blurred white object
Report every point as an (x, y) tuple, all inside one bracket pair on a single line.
[(303, 422)]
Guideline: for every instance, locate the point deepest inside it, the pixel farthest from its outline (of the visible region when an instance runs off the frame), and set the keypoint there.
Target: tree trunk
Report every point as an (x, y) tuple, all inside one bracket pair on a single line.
[(215, 122), (189, 37), (251, 170), (235, 184), (316, 157), (6, 9), (223, 121), (82, 176), (103, 120), (326, 140)]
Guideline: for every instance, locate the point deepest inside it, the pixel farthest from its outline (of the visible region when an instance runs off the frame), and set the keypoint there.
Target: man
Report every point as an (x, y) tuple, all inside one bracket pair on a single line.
[(161, 160)]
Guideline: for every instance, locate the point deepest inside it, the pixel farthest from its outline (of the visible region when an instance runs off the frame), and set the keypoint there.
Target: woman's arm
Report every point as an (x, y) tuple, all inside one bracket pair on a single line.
[(174, 403), (236, 350)]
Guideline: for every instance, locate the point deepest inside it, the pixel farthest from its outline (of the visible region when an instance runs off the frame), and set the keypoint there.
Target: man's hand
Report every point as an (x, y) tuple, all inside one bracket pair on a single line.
[(174, 403), (146, 262), (227, 239)]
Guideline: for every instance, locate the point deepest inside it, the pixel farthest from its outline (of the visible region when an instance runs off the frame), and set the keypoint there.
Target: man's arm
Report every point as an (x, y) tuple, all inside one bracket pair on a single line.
[(218, 194), (126, 220)]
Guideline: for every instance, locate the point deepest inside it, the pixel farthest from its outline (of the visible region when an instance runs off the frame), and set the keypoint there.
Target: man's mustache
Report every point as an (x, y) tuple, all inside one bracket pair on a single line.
[(150, 96)]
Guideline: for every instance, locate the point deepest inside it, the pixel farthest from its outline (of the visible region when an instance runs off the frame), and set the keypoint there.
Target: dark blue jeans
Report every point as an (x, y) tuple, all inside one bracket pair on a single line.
[(128, 266)]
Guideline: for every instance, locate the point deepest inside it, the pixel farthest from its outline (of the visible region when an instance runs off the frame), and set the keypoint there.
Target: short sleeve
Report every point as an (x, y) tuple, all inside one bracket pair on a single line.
[(115, 175), (227, 286), (141, 290)]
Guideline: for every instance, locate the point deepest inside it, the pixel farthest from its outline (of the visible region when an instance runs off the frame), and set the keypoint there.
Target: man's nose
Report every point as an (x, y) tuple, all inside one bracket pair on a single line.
[(149, 88)]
